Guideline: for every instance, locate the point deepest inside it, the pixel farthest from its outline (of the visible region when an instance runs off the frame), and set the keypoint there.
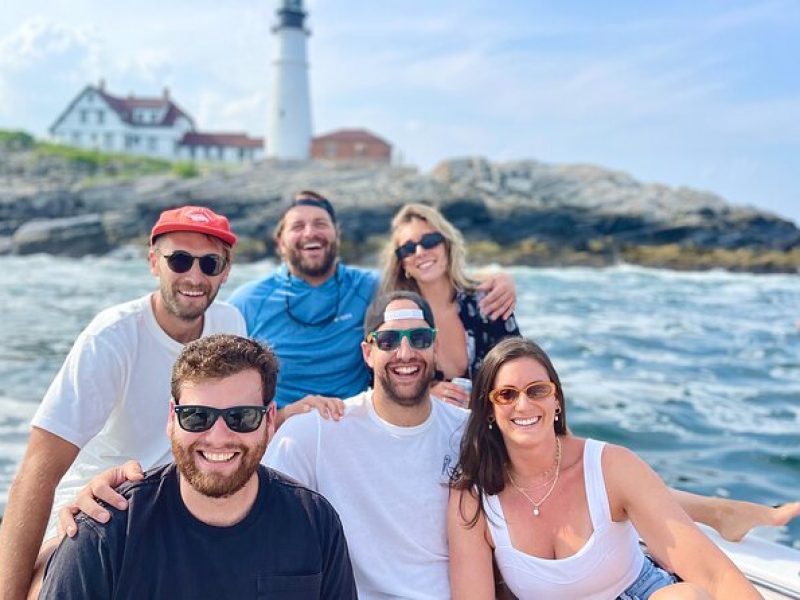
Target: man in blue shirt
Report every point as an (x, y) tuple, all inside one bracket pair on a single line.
[(310, 311)]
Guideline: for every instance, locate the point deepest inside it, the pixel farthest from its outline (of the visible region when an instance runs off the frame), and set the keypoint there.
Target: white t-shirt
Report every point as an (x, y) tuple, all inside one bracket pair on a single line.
[(111, 396), (389, 485)]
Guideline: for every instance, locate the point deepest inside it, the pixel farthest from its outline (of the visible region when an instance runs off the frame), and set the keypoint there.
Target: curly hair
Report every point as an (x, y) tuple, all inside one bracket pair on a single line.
[(394, 277), (483, 461), (222, 355)]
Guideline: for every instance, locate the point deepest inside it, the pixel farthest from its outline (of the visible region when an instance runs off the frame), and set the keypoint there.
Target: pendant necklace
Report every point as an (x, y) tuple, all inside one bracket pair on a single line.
[(537, 504)]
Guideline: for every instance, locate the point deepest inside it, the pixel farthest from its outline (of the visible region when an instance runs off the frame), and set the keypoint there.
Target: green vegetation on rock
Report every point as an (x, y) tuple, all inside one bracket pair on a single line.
[(16, 140), (97, 162), (185, 170)]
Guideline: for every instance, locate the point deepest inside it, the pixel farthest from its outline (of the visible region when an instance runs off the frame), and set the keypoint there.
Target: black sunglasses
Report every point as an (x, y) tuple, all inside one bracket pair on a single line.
[(427, 241), (241, 419), (389, 339), (210, 264)]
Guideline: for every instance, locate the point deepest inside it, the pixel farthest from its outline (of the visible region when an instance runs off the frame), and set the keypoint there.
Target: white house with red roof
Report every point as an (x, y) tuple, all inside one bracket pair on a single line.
[(155, 127)]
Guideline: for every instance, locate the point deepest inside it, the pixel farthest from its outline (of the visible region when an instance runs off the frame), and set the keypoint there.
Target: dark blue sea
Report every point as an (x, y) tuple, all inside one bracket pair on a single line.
[(697, 372)]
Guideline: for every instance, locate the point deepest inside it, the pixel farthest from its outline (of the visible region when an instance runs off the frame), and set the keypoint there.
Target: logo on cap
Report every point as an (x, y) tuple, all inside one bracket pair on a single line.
[(199, 217)]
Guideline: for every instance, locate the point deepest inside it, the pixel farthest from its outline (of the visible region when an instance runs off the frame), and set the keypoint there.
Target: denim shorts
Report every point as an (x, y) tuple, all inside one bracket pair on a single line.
[(651, 579)]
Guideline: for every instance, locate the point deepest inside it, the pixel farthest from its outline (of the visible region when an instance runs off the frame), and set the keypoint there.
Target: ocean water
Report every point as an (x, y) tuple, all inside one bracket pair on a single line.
[(697, 372)]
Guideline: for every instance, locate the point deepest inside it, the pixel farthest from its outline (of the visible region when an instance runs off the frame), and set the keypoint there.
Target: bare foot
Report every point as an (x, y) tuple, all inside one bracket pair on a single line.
[(736, 518)]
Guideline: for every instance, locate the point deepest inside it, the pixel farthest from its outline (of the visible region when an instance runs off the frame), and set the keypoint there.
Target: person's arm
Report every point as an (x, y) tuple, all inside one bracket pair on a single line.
[(501, 295), (733, 519), (471, 575), (450, 392), (328, 408), (82, 568), (30, 501), (671, 536), (100, 487)]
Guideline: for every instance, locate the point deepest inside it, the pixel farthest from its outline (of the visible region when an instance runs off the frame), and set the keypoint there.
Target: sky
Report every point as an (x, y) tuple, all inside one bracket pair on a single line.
[(697, 93)]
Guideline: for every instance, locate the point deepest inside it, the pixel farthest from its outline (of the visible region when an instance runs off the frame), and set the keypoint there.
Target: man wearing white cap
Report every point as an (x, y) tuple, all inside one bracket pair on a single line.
[(109, 399), (385, 466)]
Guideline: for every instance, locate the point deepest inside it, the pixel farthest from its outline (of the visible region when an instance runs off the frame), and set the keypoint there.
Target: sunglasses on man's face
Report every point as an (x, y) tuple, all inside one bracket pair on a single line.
[(240, 419), (427, 241), (210, 264), (390, 339), (535, 390)]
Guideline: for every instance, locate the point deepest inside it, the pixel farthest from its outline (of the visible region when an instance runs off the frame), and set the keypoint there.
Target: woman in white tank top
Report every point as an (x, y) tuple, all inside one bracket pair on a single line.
[(562, 515)]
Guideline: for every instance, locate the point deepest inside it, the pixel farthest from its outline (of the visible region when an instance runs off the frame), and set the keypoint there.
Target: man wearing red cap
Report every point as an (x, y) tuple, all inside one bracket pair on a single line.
[(110, 396)]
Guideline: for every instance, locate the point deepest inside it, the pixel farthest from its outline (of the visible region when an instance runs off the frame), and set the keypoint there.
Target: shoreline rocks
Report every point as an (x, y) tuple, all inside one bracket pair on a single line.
[(519, 212)]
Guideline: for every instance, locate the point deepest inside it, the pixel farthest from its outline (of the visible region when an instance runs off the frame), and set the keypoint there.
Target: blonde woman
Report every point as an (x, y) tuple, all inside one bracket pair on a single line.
[(426, 254)]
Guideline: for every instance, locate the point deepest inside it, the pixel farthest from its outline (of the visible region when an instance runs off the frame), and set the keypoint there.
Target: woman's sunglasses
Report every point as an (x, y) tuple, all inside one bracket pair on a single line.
[(241, 419), (427, 241), (535, 390), (389, 339), (210, 264)]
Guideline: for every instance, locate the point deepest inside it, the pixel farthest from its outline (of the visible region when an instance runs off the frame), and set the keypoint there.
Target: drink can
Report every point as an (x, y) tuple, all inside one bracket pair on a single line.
[(464, 382)]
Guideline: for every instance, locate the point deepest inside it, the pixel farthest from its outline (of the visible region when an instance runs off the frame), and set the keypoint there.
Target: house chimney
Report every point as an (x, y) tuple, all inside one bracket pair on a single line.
[(101, 85), (166, 93)]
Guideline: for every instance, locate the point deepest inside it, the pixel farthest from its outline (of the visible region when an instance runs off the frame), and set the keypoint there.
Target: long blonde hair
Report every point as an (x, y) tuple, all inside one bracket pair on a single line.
[(394, 277)]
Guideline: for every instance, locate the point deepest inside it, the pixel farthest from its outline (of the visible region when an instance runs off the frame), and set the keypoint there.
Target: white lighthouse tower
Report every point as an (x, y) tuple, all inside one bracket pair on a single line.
[(289, 130)]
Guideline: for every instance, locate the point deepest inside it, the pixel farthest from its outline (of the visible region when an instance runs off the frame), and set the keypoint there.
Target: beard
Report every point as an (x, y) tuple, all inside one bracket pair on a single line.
[(217, 485), (413, 396), (313, 268), (171, 297)]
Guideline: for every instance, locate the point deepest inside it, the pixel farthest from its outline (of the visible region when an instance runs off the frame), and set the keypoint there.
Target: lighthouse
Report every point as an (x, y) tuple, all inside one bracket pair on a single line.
[(289, 128)]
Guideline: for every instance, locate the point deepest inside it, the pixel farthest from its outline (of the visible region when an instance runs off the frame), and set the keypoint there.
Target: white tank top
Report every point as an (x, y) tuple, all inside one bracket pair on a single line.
[(606, 566)]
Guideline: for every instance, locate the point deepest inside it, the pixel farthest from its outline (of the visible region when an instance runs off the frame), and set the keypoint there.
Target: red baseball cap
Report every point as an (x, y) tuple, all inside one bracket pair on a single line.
[(196, 219)]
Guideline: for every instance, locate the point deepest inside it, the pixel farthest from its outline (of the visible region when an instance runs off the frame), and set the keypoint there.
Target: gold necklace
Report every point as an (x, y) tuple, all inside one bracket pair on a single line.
[(538, 504)]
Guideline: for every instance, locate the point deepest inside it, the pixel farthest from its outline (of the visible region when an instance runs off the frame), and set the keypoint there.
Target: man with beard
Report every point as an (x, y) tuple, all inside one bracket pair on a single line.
[(310, 311), (385, 467), (214, 524), (109, 398)]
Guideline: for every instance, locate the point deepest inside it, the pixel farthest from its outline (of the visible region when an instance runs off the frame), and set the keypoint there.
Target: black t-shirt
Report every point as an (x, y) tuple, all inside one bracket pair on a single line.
[(290, 546)]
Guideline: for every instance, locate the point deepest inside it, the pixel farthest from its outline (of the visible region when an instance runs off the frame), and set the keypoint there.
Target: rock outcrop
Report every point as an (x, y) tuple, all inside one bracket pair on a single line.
[(523, 211)]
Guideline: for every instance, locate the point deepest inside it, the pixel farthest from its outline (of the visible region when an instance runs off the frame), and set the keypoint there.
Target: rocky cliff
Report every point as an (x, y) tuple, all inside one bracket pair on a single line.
[(522, 212)]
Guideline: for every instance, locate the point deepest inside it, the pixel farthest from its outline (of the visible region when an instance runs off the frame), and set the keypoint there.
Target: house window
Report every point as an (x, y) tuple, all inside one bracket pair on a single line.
[(109, 140), (84, 116), (330, 149), (101, 117), (359, 149), (93, 138), (76, 137), (152, 143)]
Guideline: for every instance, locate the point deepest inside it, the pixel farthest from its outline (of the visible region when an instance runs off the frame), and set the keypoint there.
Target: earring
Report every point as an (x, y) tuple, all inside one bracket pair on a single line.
[(558, 412), (406, 274), (491, 422)]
